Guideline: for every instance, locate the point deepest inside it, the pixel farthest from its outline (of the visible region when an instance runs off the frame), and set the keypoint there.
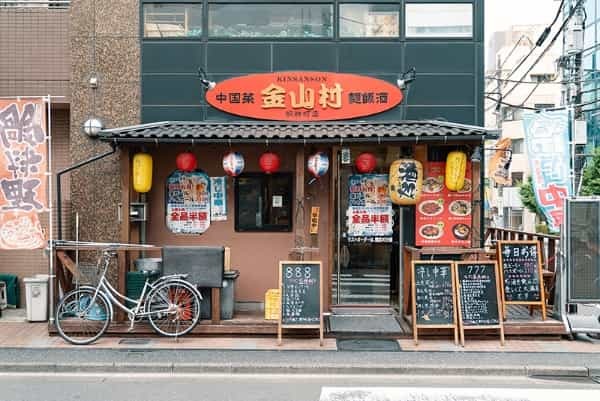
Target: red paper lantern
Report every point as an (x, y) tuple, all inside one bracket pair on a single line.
[(186, 161), (365, 162), (269, 162)]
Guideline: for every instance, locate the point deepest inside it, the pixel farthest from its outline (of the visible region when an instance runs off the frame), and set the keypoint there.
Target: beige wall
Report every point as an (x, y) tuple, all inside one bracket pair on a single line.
[(256, 255)]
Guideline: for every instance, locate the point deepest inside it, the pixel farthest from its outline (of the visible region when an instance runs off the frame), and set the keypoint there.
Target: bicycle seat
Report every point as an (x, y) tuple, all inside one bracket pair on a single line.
[(182, 276)]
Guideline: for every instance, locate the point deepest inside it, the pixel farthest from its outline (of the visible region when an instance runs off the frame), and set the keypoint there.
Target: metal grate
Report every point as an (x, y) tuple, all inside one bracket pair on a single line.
[(583, 238)]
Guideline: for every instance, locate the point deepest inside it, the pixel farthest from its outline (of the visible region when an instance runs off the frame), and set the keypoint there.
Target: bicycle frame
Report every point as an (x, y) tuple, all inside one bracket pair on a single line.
[(114, 296)]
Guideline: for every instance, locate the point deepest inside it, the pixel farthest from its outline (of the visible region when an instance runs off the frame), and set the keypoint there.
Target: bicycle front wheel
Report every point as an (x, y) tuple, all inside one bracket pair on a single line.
[(173, 308), (81, 321)]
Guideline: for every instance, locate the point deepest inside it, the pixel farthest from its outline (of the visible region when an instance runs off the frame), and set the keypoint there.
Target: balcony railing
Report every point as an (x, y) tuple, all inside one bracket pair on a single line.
[(34, 4), (549, 244)]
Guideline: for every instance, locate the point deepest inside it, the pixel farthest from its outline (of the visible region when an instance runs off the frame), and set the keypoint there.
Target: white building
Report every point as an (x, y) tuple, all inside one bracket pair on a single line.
[(540, 88)]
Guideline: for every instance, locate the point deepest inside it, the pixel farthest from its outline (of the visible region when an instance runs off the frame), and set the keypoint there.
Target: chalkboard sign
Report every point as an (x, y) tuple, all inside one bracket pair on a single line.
[(479, 300), (301, 295), (521, 269), (433, 294)]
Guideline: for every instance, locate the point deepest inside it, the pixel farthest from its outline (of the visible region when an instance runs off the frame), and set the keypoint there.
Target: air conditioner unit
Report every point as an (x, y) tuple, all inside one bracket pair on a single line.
[(581, 273)]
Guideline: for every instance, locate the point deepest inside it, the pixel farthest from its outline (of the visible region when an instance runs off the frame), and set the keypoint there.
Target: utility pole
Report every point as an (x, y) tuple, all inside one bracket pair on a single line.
[(571, 62)]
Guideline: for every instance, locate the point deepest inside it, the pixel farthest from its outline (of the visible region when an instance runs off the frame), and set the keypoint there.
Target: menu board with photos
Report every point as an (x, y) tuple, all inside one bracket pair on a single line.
[(369, 215), (443, 217)]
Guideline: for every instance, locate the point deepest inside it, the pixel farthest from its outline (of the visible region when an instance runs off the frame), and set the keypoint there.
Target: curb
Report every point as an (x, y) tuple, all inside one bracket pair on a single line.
[(203, 368)]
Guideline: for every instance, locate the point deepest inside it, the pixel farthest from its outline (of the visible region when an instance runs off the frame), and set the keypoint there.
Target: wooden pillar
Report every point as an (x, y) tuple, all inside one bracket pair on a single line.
[(300, 229), (125, 224)]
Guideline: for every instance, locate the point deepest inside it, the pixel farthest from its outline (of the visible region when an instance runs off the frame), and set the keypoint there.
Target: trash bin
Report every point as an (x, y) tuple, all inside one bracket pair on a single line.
[(227, 297), (36, 296), (12, 289)]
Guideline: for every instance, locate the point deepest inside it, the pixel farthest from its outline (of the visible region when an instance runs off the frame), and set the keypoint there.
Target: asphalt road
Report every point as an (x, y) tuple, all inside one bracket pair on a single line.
[(246, 387)]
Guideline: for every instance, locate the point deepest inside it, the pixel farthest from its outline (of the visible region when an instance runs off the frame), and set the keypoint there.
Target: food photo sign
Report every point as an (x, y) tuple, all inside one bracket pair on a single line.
[(370, 214), (443, 217), (188, 202)]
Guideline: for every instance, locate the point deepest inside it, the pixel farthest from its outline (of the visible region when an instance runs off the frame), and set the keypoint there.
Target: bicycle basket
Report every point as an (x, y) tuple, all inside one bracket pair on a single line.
[(88, 274)]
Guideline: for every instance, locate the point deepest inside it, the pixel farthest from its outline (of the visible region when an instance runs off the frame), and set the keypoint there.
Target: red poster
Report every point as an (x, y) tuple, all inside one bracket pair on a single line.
[(444, 217)]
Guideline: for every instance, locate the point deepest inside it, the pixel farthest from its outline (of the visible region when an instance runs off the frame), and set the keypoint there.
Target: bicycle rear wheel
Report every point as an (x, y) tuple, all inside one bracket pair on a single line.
[(78, 320), (174, 308)]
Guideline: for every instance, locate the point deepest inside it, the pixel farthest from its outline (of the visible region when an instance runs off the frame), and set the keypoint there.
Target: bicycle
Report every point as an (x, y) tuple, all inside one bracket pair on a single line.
[(171, 304)]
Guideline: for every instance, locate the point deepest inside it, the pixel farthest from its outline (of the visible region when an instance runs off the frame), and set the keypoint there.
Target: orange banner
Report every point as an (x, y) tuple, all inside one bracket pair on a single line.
[(304, 96), (23, 155), (497, 170), (21, 230)]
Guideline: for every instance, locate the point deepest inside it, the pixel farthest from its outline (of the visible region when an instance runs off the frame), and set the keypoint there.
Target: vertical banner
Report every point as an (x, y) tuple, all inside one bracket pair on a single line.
[(547, 140), (370, 214), (23, 166), (218, 199), (444, 217), (188, 202), (497, 167)]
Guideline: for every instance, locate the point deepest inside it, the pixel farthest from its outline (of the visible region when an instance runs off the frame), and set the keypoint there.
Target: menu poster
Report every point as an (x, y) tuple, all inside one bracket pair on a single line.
[(369, 214), (218, 199), (444, 217), (188, 202)]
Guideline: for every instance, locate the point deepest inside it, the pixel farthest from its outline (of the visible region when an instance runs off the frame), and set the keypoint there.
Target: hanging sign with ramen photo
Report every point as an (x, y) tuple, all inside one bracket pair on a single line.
[(443, 217)]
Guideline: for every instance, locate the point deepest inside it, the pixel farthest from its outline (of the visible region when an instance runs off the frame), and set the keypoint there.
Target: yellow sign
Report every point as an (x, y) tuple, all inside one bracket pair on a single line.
[(314, 219), (272, 304)]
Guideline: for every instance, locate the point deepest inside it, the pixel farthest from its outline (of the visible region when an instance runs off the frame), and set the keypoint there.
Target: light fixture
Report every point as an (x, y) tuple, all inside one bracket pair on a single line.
[(476, 156), (92, 126), (406, 78), (204, 81)]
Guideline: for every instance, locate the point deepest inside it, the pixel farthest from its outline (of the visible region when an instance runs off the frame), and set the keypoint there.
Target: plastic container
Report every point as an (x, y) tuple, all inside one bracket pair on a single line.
[(150, 265), (12, 289), (36, 296), (3, 296), (227, 297)]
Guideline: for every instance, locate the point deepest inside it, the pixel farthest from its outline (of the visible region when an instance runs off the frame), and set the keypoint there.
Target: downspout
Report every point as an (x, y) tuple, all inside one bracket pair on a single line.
[(482, 196), (58, 185)]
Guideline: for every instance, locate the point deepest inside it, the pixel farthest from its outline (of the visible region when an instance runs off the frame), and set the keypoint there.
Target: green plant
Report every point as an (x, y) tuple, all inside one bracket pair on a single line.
[(590, 184), (528, 198)]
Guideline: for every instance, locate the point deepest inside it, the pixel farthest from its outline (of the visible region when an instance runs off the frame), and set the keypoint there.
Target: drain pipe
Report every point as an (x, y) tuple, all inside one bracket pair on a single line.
[(58, 185)]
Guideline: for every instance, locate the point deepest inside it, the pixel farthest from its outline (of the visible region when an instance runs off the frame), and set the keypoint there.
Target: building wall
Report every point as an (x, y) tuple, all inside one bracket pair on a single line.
[(34, 52), (591, 74), (449, 84), (255, 255), (105, 41)]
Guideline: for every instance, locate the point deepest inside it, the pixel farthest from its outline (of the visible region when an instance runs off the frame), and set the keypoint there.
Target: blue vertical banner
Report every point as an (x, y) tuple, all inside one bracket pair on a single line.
[(547, 140)]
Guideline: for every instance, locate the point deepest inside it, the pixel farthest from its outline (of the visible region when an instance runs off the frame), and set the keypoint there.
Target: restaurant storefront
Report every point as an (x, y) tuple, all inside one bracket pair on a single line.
[(321, 101)]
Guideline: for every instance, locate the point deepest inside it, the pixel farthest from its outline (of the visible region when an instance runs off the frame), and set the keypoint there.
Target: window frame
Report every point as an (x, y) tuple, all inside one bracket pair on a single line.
[(331, 4), (408, 37), (338, 22), (270, 227), (142, 17)]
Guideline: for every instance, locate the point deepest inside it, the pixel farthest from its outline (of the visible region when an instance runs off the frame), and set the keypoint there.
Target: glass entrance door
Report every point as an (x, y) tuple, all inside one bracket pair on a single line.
[(366, 238)]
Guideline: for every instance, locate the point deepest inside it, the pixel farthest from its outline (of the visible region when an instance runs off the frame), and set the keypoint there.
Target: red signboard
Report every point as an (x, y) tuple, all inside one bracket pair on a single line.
[(443, 217), (304, 96)]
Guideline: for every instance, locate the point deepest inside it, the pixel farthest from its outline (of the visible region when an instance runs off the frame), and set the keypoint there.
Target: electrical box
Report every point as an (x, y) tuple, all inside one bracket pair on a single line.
[(138, 211)]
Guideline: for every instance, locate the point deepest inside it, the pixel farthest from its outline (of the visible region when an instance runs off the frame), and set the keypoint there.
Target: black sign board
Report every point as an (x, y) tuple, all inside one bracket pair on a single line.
[(479, 301), (521, 269), (300, 286), (478, 293), (434, 302)]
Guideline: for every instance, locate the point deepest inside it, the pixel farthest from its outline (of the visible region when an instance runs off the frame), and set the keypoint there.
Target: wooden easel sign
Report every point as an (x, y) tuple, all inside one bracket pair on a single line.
[(479, 300), (301, 289), (522, 276), (433, 297)]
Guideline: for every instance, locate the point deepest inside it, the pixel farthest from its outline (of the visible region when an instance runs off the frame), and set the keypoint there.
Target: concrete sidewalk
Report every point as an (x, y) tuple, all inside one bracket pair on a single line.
[(26, 347)]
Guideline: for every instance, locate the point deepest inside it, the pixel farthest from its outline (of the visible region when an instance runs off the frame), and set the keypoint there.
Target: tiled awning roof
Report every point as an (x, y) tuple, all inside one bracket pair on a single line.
[(332, 132)]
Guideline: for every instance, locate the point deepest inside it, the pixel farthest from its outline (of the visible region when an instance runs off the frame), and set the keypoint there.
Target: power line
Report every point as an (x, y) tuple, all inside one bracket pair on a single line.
[(539, 109), (543, 36), (554, 38)]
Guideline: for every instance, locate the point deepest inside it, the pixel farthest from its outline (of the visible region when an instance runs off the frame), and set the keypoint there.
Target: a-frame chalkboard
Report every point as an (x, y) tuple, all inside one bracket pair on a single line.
[(521, 272), (433, 297), (478, 297), (301, 289)]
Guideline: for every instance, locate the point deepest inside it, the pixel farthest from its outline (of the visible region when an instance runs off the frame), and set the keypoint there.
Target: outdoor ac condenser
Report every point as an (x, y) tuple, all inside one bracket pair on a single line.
[(581, 274)]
